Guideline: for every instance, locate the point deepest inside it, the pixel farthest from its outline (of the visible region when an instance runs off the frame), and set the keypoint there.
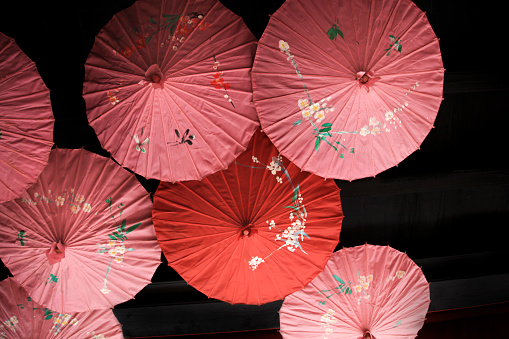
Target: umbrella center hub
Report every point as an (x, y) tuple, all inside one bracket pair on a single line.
[(247, 230), (363, 79), (155, 76), (56, 253)]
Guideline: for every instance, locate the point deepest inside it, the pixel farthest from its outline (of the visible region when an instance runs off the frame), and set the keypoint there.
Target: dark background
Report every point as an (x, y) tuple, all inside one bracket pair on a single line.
[(446, 205)]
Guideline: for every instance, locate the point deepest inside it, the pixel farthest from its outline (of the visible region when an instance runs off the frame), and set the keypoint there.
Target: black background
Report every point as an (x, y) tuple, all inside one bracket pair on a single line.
[(446, 205)]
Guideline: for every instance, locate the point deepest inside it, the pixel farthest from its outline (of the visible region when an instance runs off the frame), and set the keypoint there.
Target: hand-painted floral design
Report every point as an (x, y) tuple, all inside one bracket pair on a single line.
[(395, 45), (316, 110), (22, 238), (399, 274), (374, 127), (334, 31), (295, 233), (363, 286), (76, 202), (10, 323), (181, 27), (185, 138), (62, 320), (342, 287), (326, 321), (112, 96), (218, 81), (115, 246)]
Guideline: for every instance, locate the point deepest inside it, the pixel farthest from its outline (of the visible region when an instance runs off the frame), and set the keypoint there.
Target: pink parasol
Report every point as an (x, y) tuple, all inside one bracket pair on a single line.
[(366, 291), (253, 233), (168, 88), (81, 238), (26, 121), (21, 317), (347, 89)]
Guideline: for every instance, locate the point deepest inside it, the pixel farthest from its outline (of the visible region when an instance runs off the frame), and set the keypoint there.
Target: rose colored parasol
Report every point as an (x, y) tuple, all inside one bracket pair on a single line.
[(366, 291), (250, 234), (26, 121), (82, 237), (21, 317), (168, 88), (347, 89)]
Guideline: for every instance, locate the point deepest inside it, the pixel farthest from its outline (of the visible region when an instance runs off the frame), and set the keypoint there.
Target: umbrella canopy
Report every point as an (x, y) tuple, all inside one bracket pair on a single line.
[(168, 88), (26, 121), (21, 317), (250, 234), (81, 238), (347, 89), (366, 291)]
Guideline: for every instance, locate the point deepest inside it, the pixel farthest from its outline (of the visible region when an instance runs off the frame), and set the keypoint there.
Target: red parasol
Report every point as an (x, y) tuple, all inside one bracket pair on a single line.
[(347, 89), (250, 234)]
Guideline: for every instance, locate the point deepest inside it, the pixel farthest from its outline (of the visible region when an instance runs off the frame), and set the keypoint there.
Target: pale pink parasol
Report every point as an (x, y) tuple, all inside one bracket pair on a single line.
[(21, 317), (168, 88), (26, 121), (347, 89), (364, 291), (81, 238)]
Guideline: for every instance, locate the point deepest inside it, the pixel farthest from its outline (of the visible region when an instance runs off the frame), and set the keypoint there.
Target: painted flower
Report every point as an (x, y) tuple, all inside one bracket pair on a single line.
[(216, 66), (75, 209), (358, 288), (254, 262), (319, 116), (127, 52), (389, 115), (120, 249), (140, 146), (60, 201), (255, 159), (283, 46), (303, 103), (14, 319), (373, 121), (113, 252), (86, 207), (315, 107), (105, 290), (400, 274), (111, 243), (112, 98), (364, 131), (74, 321), (119, 259), (306, 113), (279, 180), (79, 198), (370, 278), (273, 167), (365, 285), (140, 42)]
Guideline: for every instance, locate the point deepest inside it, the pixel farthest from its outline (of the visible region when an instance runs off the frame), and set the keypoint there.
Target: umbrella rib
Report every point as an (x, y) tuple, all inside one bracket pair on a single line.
[(234, 222), (197, 62), (43, 141), (402, 36), (239, 213), (116, 17), (389, 19), (21, 70), (126, 60), (43, 91), (134, 119), (239, 115), (10, 42), (178, 128), (170, 170), (164, 64), (208, 120), (415, 51), (325, 37)]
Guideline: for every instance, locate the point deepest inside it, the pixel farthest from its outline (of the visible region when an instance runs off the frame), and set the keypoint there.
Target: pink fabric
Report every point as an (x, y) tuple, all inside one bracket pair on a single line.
[(200, 115), (56, 253), (252, 233), (364, 289), (23, 318), (99, 216), (307, 90), (26, 121)]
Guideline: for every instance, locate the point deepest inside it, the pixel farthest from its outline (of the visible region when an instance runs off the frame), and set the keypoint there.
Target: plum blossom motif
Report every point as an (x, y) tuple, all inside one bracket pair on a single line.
[(316, 110), (326, 321), (363, 287), (399, 274), (115, 247), (76, 202), (293, 234)]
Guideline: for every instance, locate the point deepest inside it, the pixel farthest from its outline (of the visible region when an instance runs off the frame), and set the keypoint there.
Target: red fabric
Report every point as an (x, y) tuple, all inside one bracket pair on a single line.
[(200, 227)]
